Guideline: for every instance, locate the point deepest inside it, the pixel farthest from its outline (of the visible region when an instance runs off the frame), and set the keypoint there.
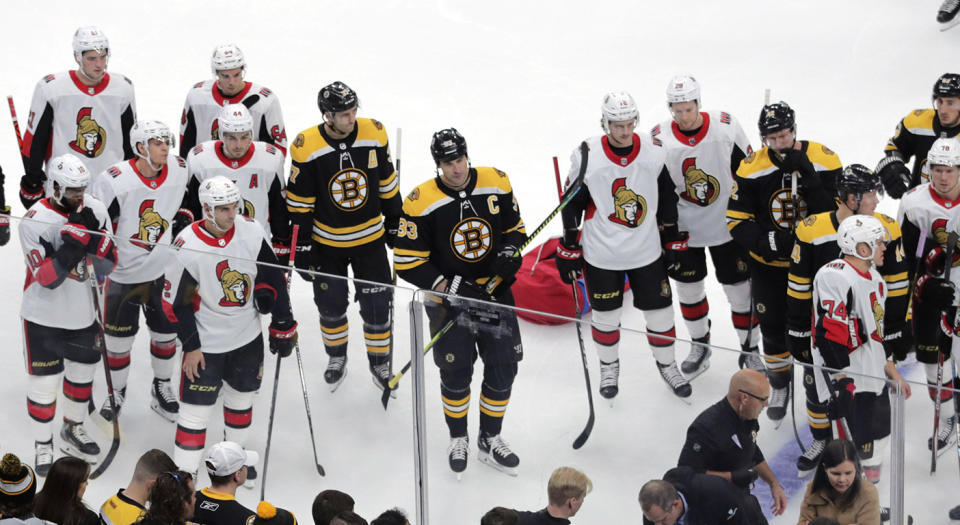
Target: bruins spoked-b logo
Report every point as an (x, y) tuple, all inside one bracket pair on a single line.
[(471, 239), (349, 189), (152, 226), (91, 138), (629, 208), (700, 188), (236, 286), (782, 211)]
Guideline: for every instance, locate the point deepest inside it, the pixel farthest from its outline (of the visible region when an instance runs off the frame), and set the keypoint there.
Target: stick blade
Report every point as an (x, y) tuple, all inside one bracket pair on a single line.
[(582, 438)]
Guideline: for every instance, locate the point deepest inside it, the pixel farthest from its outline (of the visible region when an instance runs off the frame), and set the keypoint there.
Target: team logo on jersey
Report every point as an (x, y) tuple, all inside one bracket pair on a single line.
[(877, 308), (471, 239), (783, 213), (629, 208), (349, 189), (215, 129), (236, 286), (940, 235), (248, 210), (91, 138), (701, 189), (151, 228)]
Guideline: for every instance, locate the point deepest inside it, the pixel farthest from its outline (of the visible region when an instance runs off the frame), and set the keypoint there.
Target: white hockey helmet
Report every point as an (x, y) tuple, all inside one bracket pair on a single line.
[(89, 38), (618, 106), (143, 131), (235, 118), (857, 229), (217, 191), (683, 88), (227, 56), (944, 152), (66, 171)]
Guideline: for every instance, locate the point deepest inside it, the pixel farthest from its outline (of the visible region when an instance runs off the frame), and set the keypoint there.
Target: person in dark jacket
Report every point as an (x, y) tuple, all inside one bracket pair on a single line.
[(683, 496)]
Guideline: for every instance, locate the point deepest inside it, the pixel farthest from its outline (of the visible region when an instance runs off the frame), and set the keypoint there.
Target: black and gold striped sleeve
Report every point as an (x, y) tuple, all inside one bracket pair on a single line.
[(412, 248)]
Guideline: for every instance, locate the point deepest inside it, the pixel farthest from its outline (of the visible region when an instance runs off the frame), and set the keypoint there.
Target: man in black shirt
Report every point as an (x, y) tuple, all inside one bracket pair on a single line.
[(227, 464), (685, 497), (722, 440), (566, 491)]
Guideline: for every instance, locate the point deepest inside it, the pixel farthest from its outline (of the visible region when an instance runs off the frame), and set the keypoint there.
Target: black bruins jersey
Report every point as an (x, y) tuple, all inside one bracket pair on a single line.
[(760, 199), (913, 137), (343, 185), (446, 232), (816, 245), (215, 508)]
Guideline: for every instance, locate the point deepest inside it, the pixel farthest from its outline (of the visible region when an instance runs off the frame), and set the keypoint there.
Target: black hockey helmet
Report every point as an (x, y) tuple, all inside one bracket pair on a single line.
[(857, 179), (948, 85), (336, 97), (447, 144), (776, 117)]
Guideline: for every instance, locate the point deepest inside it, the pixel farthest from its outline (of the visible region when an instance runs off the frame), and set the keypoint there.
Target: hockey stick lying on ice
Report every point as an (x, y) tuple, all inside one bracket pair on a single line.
[(492, 283), (101, 342)]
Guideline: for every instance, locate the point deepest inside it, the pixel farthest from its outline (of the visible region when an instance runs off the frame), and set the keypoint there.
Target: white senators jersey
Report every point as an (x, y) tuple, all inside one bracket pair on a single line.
[(198, 123), (224, 271), (922, 209), (848, 315), (256, 173), (70, 304), (142, 212), (702, 167), (91, 122), (620, 229)]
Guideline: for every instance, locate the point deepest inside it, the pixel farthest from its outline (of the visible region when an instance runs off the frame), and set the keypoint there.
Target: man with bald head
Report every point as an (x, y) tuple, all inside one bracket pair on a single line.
[(722, 440)]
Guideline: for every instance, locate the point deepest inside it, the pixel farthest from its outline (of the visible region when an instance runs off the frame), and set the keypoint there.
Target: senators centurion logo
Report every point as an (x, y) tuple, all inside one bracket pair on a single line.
[(940, 235), (349, 189), (236, 286), (471, 239), (215, 129), (151, 227), (783, 213), (629, 208), (876, 306), (91, 138), (700, 188)]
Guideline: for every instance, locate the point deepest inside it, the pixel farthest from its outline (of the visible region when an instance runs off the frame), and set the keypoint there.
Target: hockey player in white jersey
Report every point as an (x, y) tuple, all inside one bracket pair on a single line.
[(704, 150), (934, 207), (86, 112), (145, 198), (59, 319), (256, 168), (629, 210), (848, 304), (216, 291), (198, 123)]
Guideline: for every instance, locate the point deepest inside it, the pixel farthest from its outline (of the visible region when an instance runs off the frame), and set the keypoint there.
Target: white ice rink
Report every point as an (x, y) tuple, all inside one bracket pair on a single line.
[(523, 82)]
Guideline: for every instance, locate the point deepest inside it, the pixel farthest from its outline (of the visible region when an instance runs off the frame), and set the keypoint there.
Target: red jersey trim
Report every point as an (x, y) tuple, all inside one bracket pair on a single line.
[(233, 163), (216, 242), (694, 140), (236, 99), (943, 202), (617, 159), (48, 204), (153, 183), (85, 88)]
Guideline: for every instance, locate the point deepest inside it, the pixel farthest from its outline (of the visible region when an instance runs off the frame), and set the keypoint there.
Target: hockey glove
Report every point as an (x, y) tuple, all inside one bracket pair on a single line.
[(281, 248), (264, 297), (4, 225), (392, 227), (507, 264), (181, 220), (796, 160), (461, 286), (31, 189), (798, 343), (283, 337), (842, 404), (936, 261), (303, 259), (744, 478), (898, 344), (569, 261), (936, 292), (775, 245), (894, 175), (674, 244)]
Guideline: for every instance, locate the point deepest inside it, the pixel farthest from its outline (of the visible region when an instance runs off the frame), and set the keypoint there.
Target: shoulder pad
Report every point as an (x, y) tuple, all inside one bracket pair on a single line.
[(492, 177), (264, 92), (655, 130), (370, 129), (178, 242), (126, 79), (198, 85), (113, 171), (813, 227), (824, 156), (307, 142), (422, 197), (725, 117), (920, 118), (49, 78), (836, 264), (757, 161), (180, 162), (376, 123), (911, 190), (270, 149), (30, 213), (198, 149)]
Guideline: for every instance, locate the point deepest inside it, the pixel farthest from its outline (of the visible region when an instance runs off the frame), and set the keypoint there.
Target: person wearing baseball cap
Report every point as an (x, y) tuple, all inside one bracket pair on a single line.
[(229, 467)]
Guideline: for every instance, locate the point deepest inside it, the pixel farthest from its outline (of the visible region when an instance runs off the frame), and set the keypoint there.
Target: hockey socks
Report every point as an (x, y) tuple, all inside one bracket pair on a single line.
[(694, 308)]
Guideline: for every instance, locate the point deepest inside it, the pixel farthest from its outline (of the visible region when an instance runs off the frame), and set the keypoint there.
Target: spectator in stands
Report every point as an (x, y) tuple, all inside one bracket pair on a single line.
[(722, 440), (823, 521), (126, 506), (348, 517), (267, 514), (226, 464), (566, 491), (61, 499), (393, 516), (837, 490), (18, 485), (683, 496), (499, 516), (171, 500), (328, 504)]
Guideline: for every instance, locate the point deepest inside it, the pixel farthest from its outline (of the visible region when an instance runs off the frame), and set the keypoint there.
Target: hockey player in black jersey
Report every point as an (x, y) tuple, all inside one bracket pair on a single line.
[(762, 213), (915, 134), (344, 193), (859, 191), (458, 230)]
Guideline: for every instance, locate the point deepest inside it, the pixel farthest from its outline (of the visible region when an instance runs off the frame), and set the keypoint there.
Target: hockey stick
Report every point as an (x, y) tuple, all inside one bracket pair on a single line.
[(948, 265), (842, 421), (16, 123), (795, 204), (585, 433), (392, 384), (101, 342), (303, 379), (393, 267), (273, 409)]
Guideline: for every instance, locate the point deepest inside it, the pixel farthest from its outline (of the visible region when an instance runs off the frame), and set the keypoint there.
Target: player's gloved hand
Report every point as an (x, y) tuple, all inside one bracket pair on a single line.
[(796, 160), (936, 292), (744, 478), (775, 245), (264, 297), (31, 189), (935, 261), (569, 261), (507, 264), (4, 225), (76, 235), (281, 248), (798, 343), (461, 286), (283, 336), (181, 220), (392, 227), (894, 174), (898, 343), (303, 259), (842, 405), (674, 244), (85, 218)]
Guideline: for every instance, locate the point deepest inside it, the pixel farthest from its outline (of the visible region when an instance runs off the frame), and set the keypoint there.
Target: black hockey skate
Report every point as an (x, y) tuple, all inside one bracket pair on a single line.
[(947, 14), (946, 435), (164, 401), (677, 383), (381, 377), (494, 451), (75, 442), (609, 375), (457, 454), (335, 372), (779, 399), (43, 456), (751, 359), (698, 361), (106, 411), (885, 515), (808, 462)]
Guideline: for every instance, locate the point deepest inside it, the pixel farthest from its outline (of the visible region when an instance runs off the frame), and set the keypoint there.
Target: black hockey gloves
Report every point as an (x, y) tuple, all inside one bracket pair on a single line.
[(569, 261), (674, 244), (894, 175), (283, 337)]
